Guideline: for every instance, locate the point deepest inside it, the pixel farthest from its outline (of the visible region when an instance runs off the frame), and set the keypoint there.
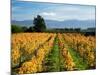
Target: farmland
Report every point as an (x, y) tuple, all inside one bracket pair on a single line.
[(52, 52)]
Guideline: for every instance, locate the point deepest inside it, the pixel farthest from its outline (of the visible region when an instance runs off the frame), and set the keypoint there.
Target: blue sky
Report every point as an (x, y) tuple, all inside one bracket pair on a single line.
[(28, 10)]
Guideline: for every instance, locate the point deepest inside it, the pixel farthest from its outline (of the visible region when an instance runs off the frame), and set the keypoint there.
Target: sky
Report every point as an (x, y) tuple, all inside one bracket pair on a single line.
[(22, 10)]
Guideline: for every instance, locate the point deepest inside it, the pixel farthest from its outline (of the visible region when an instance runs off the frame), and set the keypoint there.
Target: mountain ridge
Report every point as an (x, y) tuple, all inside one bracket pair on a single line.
[(59, 24)]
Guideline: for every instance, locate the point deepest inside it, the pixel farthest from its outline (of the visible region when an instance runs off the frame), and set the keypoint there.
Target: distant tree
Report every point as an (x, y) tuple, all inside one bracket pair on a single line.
[(77, 29), (71, 29), (31, 29), (66, 29), (24, 29), (39, 24), (16, 29)]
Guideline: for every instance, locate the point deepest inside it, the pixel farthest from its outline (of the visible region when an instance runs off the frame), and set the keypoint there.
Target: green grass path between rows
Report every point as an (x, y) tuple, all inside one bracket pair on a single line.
[(80, 64), (53, 61)]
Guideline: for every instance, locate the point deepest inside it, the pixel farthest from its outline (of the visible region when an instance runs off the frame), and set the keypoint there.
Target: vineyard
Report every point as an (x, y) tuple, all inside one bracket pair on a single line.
[(52, 52)]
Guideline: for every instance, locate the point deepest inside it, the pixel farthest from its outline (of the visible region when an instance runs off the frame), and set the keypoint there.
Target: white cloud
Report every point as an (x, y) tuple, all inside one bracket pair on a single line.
[(48, 14), (68, 12)]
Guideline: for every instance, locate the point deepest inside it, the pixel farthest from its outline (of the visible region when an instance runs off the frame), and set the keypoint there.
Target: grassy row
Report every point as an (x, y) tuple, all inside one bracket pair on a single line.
[(52, 61), (78, 60), (80, 64)]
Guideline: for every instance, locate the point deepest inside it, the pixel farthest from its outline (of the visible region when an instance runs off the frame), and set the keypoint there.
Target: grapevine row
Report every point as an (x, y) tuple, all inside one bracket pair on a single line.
[(84, 45)]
